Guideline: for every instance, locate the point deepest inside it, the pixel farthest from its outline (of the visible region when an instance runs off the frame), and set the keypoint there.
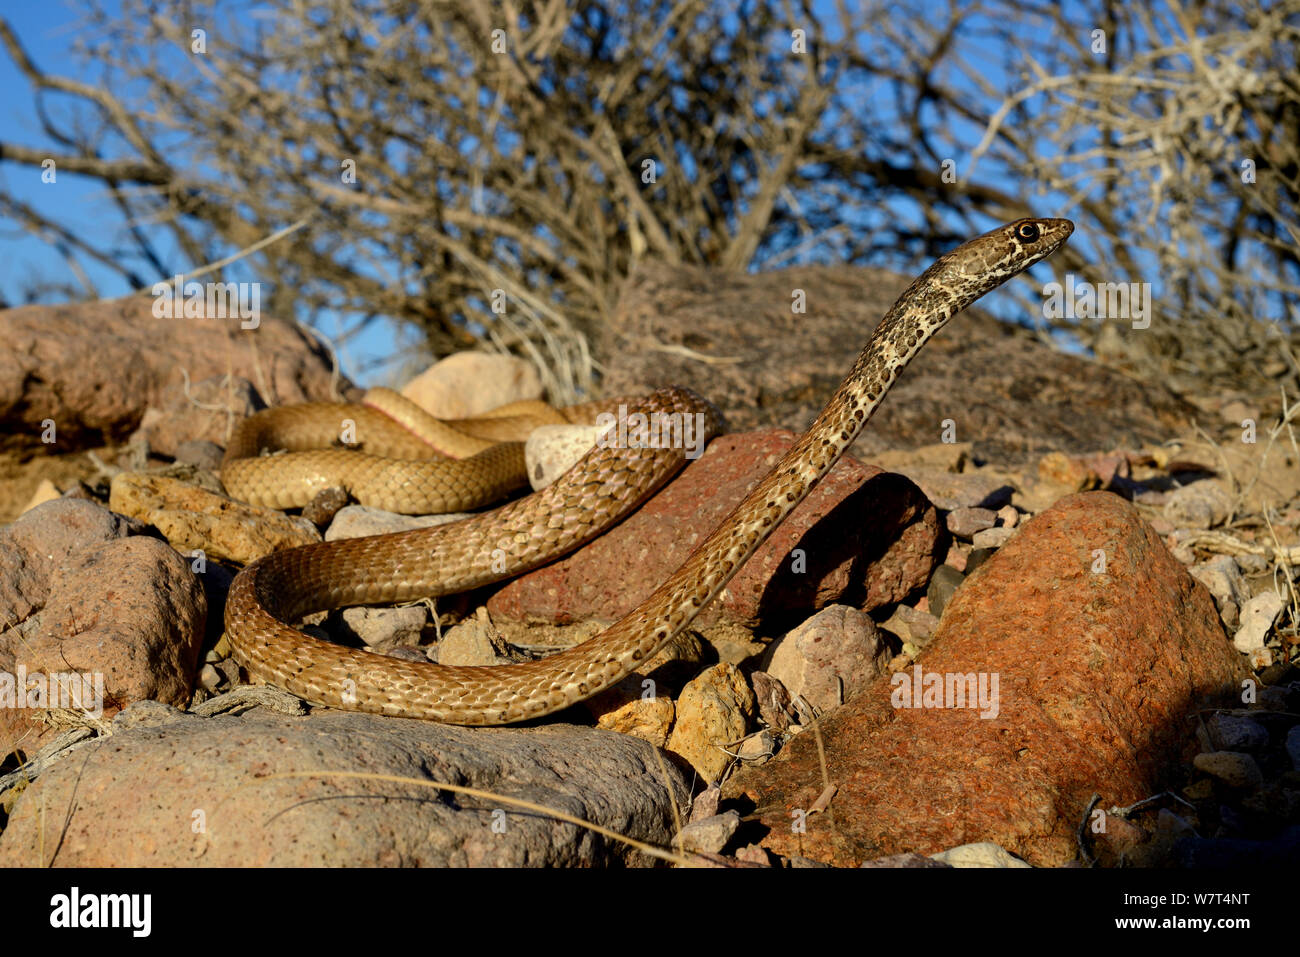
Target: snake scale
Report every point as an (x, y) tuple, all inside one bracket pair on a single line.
[(606, 484)]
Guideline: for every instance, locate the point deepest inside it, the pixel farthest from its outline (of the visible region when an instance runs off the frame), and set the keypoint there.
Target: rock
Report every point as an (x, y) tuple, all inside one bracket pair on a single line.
[(82, 598), (1068, 471), (1205, 853), (753, 854), (1223, 578), (1097, 676), (829, 658), (326, 504), (355, 521), (942, 587), (664, 674), (187, 420), (952, 492), (705, 804), (129, 611), (911, 626), (1226, 732), (732, 642), (1235, 411), (1082, 472), (1035, 495), (709, 835), (195, 520), (210, 678), (95, 389), (1119, 841), (992, 538), (35, 544), (1233, 768), (1268, 473), (982, 854), (965, 522), (551, 450), (377, 627), (908, 860), (712, 714), (1272, 699), (1252, 564), (949, 456), (1257, 617), (467, 384), (757, 748), (1293, 747), (1203, 504), (259, 790), (774, 704), (473, 642), (145, 714), (861, 533), (45, 492), (1117, 847), (648, 718), (200, 453)]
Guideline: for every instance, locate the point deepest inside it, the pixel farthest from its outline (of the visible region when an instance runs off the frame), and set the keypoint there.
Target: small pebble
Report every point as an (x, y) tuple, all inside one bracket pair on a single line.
[(993, 537), (710, 835), (1233, 768), (965, 522)]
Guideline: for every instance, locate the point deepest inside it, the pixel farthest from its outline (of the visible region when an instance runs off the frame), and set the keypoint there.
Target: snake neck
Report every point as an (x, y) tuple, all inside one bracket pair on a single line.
[(950, 284)]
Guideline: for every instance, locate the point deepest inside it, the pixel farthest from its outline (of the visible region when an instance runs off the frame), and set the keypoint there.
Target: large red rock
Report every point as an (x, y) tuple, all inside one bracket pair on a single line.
[(867, 537), (1099, 676), (94, 368)]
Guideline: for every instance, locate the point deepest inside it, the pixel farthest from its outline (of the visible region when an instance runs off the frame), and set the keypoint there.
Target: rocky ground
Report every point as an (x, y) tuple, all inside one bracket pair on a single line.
[(1046, 616)]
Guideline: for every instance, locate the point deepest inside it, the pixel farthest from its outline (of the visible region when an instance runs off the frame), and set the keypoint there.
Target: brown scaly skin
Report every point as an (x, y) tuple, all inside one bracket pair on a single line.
[(602, 487)]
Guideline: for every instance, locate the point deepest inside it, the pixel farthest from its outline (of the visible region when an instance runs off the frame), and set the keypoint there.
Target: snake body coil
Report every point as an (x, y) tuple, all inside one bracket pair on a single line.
[(606, 484)]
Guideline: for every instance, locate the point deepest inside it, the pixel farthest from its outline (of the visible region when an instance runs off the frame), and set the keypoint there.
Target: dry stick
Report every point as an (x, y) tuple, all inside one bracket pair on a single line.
[(828, 790), (206, 407), (246, 251), (1273, 433), (649, 849), (328, 344), (689, 353), (1082, 834), (1240, 495), (1284, 565), (235, 257), (672, 794), (71, 740), (1225, 544)]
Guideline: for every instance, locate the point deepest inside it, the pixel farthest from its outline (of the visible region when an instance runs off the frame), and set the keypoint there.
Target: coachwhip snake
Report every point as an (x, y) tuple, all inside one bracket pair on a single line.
[(607, 483)]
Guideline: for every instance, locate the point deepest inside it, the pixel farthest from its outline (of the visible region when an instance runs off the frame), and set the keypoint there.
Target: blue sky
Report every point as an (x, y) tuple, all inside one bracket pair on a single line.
[(47, 30)]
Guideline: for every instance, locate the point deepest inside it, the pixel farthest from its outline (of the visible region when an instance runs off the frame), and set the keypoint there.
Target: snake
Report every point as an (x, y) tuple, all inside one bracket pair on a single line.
[(393, 454), (607, 483)]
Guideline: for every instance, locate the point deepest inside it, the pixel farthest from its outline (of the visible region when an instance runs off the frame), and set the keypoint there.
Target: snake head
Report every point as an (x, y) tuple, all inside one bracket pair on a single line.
[(958, 278), (1032, 240), (987, 261)]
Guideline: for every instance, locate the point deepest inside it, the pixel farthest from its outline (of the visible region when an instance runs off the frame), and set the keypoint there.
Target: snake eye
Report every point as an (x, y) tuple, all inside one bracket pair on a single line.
[(1027, 232)]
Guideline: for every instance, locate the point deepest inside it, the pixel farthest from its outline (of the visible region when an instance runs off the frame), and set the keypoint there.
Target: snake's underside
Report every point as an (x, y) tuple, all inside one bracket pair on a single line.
[(605, 485)]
